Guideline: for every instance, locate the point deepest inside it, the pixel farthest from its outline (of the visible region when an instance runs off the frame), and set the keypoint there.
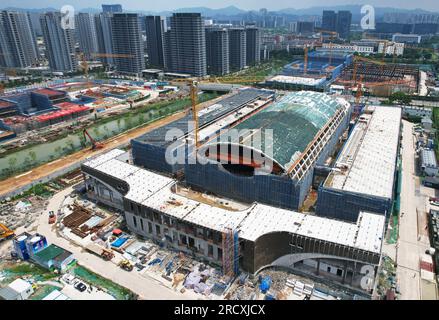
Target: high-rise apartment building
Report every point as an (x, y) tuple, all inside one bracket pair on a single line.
[(344, 20), (339, 22), (253, 43), (217, 51), (104, 32), (18, 48), (86, 33), (112, 8), (186, 49), (155, 27), (59, 42), (329, 20), (237, 48), (127, 43)]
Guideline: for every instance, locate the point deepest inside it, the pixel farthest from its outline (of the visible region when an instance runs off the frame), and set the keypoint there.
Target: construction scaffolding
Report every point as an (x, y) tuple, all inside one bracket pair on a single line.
[(374, 72), (230, 244)]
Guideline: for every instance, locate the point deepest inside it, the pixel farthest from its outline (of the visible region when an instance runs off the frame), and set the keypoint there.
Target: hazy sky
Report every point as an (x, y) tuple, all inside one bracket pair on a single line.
[(150, 5)]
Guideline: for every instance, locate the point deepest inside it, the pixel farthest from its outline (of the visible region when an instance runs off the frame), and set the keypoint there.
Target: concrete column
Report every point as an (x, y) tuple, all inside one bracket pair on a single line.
[(353, 272), (318, 266), (345, 271)]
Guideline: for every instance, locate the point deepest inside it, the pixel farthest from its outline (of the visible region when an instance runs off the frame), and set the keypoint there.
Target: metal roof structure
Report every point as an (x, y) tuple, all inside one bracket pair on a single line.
[(157, 192), (428, 158), (158, 136), (367, 162), (294, 121)]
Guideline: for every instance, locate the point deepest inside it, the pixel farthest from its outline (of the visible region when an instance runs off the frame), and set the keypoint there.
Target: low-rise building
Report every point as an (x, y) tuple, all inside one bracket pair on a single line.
[(407, 38), (17, 290), (54, 257), (428, 162), (391, 48)]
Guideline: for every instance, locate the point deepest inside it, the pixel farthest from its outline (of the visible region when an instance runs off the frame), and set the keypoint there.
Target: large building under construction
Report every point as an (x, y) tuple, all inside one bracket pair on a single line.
[(293, 134), (223, 204), (363, 177), (230, 234)]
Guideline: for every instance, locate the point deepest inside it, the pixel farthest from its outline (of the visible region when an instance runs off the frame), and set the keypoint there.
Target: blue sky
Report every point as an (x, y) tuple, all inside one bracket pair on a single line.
[(243, 4)]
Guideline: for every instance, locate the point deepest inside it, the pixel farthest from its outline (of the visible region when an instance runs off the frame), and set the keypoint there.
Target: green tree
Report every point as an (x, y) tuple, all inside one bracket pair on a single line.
[(12, 162), (33, 156)]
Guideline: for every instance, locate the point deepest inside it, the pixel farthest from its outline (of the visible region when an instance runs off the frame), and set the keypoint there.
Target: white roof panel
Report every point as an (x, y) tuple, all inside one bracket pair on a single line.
[(368, 159), (94, 162), (156, 191)]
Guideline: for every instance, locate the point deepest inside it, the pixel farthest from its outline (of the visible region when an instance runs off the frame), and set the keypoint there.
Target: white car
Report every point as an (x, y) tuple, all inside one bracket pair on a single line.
[(68, 278)]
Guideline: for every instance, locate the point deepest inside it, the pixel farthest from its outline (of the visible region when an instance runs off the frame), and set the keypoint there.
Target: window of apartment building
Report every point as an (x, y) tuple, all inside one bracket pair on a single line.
[(157, 229), (141, 224), (220, 254), (149, 227), (210, 250)]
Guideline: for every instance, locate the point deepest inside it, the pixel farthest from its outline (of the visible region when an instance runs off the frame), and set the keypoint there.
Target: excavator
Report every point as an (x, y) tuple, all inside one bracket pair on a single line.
[(94, 144), (5, 233)]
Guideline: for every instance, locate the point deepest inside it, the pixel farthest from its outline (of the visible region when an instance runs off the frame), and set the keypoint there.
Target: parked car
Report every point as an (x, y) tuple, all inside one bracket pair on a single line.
[(68, 278), (434, 203), (80, 287)]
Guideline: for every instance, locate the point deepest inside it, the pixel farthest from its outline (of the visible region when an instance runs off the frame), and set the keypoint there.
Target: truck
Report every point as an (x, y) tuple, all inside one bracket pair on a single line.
[(104, 253), (126, 265), (52, 217)]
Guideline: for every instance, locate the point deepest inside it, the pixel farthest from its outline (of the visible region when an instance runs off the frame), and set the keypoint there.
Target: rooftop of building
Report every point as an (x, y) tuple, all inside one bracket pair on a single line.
[(251, 221), (206, 116), (294, 120), (6, 104), (48, 92), (428, 158), (367, 162), (52, 252), (309, 81)]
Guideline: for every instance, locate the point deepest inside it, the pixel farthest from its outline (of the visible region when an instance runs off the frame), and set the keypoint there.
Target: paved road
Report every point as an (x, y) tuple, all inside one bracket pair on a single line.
[(146, 288), (409, 247)]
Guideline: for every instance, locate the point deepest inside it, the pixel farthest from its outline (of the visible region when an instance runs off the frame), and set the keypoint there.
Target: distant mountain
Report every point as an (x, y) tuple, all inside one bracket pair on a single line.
[(206, 12), (353, 8), (30, 10), (235, 11)]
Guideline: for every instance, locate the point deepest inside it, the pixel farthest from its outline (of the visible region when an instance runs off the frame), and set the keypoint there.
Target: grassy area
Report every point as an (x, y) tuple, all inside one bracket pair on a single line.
[(259, 72), (117, 291), (43, 291), (9, 271)]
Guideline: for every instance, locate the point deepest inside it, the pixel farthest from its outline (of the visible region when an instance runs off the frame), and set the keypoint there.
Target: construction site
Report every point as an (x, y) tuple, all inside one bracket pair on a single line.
[(381, 79), (231, 211)]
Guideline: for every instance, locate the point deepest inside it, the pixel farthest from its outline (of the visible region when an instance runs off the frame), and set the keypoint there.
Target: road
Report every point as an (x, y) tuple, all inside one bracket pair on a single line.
[(410, 243), (44, 170), (146, 288)]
